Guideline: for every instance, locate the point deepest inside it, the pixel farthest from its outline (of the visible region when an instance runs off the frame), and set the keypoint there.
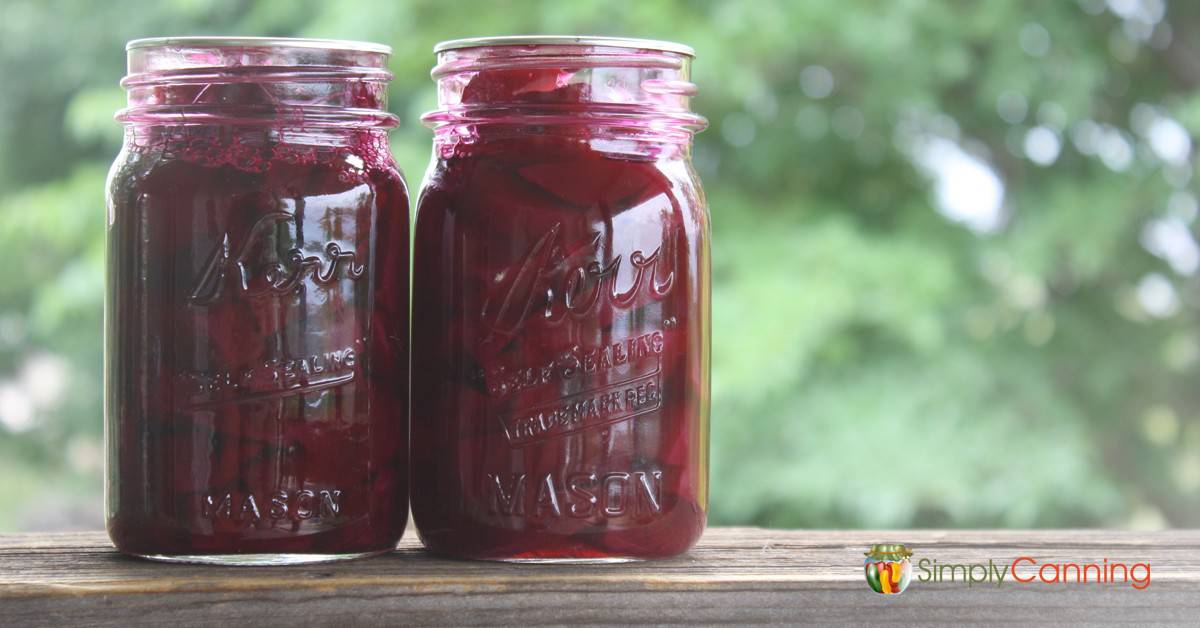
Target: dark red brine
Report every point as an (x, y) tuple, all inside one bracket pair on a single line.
[(257, 305), (561, 305)]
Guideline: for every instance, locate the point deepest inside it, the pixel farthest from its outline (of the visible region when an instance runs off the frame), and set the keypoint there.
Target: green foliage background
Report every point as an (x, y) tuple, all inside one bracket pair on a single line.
[(876, 363)]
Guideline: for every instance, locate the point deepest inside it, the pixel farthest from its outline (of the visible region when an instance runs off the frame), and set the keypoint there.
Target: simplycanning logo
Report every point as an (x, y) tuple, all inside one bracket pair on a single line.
[(888, 568), (889, 571)]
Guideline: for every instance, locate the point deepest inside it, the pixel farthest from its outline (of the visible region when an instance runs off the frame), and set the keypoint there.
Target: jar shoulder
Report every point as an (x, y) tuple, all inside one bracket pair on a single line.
[(590, 185), (294, 173)]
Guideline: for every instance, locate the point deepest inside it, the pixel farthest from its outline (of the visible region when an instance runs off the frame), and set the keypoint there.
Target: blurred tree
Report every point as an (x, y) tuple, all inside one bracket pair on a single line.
[(955, 264)]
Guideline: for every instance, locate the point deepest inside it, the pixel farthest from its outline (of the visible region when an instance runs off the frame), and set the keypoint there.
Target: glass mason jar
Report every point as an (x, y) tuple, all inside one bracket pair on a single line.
[(561, 304), (256, 323)]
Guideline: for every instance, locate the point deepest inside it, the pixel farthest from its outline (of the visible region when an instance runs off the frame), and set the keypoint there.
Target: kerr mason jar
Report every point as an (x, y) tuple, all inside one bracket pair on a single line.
[(256, 324), (561, 304)]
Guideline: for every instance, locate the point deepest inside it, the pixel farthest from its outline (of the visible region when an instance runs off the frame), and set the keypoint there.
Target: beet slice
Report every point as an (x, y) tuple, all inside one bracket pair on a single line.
[(534, 85), (605, 181)]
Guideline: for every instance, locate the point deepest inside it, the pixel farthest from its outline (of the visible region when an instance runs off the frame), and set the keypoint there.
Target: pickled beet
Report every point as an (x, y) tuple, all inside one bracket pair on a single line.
[(560, 334), (257, 319)]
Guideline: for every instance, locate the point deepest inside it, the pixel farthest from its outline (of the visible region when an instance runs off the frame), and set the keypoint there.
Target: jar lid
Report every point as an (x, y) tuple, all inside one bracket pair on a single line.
[(565, 40), (258, 42), (894, 551)]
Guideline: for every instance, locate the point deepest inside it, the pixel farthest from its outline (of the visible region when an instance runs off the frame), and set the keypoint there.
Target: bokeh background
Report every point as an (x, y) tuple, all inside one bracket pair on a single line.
[(955, 261)]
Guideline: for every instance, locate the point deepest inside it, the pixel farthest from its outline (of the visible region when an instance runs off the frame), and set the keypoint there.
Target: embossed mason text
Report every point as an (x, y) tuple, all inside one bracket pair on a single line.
[(606, 495), (249, 509)]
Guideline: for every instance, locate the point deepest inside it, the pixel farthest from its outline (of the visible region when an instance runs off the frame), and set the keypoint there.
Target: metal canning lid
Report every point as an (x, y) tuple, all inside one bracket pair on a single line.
[(889, 550), (260, 42), (565, 40)]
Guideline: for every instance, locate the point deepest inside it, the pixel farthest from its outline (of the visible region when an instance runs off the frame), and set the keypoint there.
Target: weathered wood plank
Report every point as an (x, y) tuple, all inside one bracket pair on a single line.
[(734, 574)]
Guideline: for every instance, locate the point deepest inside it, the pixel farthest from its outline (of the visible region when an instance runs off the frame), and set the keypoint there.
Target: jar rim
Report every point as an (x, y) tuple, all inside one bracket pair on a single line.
[(565, 40), (259, 42)]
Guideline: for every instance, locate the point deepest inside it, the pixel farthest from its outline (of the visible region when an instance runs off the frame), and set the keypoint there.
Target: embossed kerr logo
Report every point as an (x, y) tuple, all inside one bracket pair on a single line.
[(264, 267), (567, 280), (601, 385)]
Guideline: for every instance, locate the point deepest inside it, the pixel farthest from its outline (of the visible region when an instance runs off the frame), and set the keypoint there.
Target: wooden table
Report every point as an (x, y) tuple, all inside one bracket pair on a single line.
[(734, 574)]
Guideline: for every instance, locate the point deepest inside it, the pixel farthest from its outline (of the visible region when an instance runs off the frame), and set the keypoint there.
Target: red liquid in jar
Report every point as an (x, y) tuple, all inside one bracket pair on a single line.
[(560, 329), (257, 374)]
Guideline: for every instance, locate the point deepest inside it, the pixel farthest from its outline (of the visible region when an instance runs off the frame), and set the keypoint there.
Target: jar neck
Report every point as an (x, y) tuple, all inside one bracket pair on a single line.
[(255, 148), (271, 85), (594, 91)]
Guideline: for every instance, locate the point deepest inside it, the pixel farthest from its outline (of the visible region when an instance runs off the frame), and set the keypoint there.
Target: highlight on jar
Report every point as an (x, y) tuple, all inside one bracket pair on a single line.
[(257, 303), (561, 304)]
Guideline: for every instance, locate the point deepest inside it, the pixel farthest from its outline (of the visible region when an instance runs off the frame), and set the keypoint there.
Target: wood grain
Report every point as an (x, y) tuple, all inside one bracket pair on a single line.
[(744, 575)]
